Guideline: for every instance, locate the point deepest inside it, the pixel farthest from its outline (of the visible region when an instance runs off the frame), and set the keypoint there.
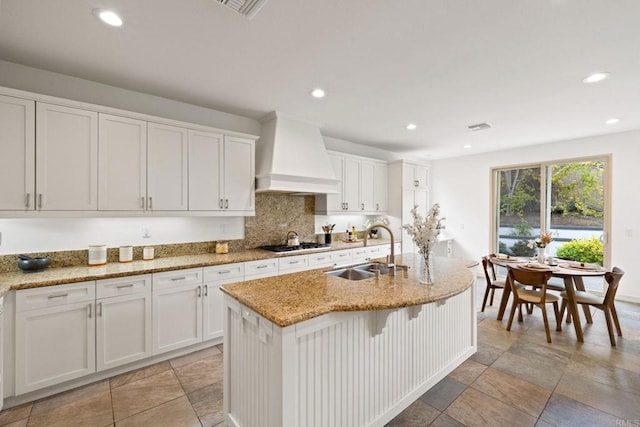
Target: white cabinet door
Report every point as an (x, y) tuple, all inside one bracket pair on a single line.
[(334, 202), (167, 163), (381, 187), (416, 176), (239, 174), (177, 309), (351, 184), (422, 177), (122, 163), (17, 153), (205, 173), (367, 186), (123, 321), (213, 299), (54, 345), (66, 158)]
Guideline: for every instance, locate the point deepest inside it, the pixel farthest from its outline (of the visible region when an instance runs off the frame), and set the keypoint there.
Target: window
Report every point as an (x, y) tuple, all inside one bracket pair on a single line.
[(569, 198)]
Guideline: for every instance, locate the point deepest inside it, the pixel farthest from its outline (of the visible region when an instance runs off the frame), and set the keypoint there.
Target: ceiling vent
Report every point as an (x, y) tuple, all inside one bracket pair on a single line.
[(248, 8), (479, 126)]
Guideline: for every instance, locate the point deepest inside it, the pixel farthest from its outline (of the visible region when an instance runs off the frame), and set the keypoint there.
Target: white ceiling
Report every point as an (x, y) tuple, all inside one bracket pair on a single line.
[(442, 64)]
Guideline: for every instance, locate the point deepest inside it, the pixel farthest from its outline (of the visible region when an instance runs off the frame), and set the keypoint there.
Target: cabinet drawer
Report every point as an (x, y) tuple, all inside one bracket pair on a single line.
[(321, 259), (293, 263), (359, 253), (263, 268), (224, 272), (378, 251), (341, 257), (52, 296), (168, 279), (140, 284)]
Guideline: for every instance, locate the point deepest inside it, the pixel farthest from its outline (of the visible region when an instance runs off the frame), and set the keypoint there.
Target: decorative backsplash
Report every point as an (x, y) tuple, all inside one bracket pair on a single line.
[(276, 215)]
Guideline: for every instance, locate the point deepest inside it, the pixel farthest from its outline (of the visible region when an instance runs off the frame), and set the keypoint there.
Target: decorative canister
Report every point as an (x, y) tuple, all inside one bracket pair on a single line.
[(97, 254), (222, 247), (126, 253), (147, 253)]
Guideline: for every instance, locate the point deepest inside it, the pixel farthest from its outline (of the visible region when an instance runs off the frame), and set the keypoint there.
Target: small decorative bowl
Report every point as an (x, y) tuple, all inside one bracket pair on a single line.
[(33, 265)]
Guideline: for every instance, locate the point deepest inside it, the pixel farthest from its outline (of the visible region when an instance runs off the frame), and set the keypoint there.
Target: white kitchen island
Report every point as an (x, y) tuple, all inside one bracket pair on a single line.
[(309, 349)]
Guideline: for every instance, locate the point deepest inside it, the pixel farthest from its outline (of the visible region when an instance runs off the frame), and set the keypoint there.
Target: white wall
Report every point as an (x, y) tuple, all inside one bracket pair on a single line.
[(462, 186), (58, 234)]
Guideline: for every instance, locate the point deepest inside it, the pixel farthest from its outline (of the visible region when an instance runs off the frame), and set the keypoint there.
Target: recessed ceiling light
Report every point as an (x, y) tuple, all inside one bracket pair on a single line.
[(466, 146), (596, 77), (318, 93), (108, 17), (612, 121), (412, 126)]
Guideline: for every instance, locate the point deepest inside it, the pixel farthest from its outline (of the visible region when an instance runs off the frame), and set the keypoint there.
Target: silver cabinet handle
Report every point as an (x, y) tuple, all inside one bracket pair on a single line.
[(178, 278), (142, 202), (27, 200), (90, 310), (416, 183), (100, 309), (130, 285), (362, 206), (262, 266), (58, 296), (226, 203), (40, 201), (293, 262), (150, 203), (206, 290), (199, 291), (224, 271), (221, 204), (377, 206), (346, 206)]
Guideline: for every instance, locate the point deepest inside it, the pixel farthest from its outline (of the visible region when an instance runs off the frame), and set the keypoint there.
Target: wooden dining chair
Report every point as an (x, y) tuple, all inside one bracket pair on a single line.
[(518, 279), (493, 282), (606, 303)]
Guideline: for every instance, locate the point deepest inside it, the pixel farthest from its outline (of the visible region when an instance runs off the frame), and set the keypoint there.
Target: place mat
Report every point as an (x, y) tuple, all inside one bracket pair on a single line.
[(509, 259), (584, 267), (537, 267)]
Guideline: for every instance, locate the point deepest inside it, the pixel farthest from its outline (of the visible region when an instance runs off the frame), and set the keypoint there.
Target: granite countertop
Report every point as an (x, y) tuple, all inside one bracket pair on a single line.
[(293, 298), (57, 276)]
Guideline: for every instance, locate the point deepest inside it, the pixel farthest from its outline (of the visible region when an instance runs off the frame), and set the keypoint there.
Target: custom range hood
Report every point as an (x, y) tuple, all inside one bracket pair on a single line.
[(291, 158)]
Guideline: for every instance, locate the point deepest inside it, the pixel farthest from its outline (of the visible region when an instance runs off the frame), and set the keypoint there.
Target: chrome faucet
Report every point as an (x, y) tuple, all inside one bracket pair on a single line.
[(391, 261)]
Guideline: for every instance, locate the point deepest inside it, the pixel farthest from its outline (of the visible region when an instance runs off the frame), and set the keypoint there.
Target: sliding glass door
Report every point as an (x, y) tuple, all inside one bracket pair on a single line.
[(568, 198)]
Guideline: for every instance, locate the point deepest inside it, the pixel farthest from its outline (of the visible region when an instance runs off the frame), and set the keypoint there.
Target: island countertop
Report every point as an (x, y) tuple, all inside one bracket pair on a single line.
[(293, 298)]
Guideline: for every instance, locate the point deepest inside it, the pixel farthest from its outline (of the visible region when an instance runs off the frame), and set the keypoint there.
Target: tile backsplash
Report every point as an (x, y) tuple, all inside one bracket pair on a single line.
[(276, 215)]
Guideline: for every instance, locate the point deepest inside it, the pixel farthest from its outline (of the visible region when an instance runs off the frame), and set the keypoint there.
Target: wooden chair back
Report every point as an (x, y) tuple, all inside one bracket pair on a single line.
[(527, 278), (613, 280)]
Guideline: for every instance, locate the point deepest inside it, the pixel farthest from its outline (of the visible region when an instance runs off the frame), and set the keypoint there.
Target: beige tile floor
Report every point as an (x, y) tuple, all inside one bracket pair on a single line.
[(515, 379)]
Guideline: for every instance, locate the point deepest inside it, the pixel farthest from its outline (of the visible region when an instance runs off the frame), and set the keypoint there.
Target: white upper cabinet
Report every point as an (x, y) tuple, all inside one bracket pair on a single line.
[(167, 163), (66, 158), (17, 145), (122, 161), (415, 176), (381, 187), (205, 160), (239, 174), (221, 173), (363, 187)]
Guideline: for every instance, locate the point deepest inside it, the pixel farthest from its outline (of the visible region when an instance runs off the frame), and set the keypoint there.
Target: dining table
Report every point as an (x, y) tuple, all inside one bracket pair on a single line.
[(570, 272)]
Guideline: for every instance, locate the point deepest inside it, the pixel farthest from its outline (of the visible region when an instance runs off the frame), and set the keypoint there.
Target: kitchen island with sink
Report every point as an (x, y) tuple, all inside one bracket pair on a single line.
[(316, 349)]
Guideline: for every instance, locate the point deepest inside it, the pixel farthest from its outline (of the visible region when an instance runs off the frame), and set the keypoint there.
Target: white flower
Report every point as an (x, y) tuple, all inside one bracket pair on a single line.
[(425, 231)]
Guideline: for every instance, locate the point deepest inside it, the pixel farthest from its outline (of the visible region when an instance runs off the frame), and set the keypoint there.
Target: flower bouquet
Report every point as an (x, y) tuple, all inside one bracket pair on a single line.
[(425, 232)]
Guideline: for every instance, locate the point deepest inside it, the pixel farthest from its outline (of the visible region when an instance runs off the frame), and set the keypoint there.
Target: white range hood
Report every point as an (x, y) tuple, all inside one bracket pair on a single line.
[(291, 158)]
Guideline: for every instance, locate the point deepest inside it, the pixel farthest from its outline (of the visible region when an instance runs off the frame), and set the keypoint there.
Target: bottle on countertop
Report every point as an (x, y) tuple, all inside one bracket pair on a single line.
[(354, 235)]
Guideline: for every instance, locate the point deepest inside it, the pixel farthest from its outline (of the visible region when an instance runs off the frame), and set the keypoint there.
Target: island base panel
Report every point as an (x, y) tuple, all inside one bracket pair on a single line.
[(348, 369)]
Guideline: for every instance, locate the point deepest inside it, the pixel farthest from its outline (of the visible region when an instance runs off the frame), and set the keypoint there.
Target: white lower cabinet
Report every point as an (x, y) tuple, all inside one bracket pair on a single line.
[(213, 299), (55, 335), (123, 320), (177, 309)]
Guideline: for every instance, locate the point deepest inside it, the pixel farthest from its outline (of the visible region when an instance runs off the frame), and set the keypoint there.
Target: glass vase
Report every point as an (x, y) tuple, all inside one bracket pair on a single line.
[(541, 255), (426, 269)]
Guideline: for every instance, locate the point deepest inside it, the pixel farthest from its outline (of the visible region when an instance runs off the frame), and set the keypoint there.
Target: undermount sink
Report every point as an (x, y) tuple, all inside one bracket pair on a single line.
[(360, 272), (373, 267), (351, 274)]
